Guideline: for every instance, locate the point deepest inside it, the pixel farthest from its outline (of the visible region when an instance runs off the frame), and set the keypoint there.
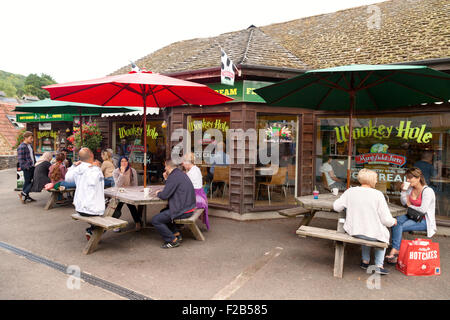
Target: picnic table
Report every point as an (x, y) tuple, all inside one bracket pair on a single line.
[(134, 196), (325, 203)]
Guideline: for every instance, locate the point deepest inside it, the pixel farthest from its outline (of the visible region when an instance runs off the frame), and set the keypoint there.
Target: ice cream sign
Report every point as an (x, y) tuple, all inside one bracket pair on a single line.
[(378, 155)]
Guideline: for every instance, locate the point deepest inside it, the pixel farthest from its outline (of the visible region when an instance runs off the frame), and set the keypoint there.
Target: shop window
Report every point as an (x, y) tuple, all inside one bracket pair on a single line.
[(210, 149), (275, 175), (129, 142), (389, 144)]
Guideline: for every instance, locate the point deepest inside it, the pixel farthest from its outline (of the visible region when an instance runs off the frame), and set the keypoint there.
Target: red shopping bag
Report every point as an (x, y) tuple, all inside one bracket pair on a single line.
[(419, 257)]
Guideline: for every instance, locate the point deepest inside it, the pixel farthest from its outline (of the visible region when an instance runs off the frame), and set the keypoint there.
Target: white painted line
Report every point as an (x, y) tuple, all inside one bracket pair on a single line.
[(246, 275)]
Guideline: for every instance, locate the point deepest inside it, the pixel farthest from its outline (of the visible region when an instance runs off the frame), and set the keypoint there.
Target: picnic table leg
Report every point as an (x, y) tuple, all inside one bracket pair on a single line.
[(94, 240), (196, 232), (112, 205), (307, 218), (339, 259), (144, 216), (51, 201), (340, 247)]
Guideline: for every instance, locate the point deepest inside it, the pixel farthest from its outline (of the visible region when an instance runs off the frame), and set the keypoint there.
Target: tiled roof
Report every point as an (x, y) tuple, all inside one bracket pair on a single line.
[(250, 46), (409, 30)]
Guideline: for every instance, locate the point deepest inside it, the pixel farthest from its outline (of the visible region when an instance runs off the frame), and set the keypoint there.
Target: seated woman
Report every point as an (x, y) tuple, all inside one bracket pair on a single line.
[(125, 176), (421, 198), (367, 216), (40, 177), (107, 168), (57, 173), (195, 175)]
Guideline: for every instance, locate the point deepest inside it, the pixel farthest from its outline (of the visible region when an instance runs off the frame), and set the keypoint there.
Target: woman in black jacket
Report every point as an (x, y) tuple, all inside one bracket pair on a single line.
[(40, 177)]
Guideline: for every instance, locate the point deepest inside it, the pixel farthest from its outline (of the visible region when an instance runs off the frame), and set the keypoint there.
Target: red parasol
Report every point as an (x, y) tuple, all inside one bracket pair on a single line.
[(140, 89)]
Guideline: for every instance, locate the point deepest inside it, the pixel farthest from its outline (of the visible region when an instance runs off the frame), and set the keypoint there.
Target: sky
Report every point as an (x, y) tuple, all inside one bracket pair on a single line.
[(75, 40)]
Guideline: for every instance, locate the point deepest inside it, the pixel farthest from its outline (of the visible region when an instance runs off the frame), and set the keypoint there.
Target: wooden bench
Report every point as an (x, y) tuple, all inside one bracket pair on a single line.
[(103, 223), (191, 223), (341, 238), (294, 212), (54, 196)]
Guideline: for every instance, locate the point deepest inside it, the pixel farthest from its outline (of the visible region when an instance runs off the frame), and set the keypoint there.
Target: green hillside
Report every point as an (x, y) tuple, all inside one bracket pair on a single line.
[(16, 85)]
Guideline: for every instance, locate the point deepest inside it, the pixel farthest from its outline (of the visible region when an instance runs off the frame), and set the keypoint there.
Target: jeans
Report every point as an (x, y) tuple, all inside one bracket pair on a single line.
[(136, 213), (68, 185), (28, 177), (165, 226), (378, 252), (109, 182), (405, 224)]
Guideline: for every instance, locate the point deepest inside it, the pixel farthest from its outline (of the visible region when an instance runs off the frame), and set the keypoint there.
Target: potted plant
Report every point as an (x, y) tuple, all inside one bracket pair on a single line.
[(92, 137)]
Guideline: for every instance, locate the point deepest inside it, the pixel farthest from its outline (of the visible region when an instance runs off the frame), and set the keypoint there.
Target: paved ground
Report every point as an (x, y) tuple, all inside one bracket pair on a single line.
[(239, 260)]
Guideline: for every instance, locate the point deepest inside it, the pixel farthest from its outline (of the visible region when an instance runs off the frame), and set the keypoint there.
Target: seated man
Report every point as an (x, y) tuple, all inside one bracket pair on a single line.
[(180, 193), (89, 199), (332, 180)]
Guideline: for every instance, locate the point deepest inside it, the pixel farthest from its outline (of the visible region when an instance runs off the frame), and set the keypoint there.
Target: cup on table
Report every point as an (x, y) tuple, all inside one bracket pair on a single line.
[(146, 192), (335, 191), (406, 185), (316, 194)]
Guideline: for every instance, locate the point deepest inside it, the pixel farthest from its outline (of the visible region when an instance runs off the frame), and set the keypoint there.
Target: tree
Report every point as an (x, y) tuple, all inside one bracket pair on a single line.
[(33, 85)]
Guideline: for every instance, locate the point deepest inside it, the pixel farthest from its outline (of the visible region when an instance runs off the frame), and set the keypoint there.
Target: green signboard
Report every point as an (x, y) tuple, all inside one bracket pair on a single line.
[(241, 90), (42, 117)]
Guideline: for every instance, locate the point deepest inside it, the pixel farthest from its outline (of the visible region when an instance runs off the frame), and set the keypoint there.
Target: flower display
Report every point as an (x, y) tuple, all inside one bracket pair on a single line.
[(92, 136)]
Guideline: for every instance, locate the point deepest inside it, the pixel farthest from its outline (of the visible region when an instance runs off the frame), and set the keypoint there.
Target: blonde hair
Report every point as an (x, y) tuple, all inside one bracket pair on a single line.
[(189, 157), (107, 154), (367, 176)]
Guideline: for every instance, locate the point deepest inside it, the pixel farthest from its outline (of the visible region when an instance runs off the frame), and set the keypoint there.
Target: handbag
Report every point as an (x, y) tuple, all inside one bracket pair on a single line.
[(415, 215)]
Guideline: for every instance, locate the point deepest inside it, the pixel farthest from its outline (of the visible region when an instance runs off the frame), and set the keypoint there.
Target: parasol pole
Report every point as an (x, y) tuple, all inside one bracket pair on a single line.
[(81, 127), (350, 129), (145, 142)]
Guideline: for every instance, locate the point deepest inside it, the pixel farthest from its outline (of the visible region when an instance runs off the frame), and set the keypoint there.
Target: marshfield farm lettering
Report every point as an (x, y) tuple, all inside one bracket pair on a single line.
[(404, 131)]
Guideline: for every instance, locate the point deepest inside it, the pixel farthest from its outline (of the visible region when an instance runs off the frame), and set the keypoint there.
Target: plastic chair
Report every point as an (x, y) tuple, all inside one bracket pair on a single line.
[(221, 174), (278, 179)]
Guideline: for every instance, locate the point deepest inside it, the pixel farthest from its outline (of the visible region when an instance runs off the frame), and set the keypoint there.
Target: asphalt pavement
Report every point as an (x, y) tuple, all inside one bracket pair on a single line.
[(239, 260)]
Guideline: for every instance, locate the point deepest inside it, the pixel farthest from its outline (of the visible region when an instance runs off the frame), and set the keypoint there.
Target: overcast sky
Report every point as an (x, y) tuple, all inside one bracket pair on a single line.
[(83, 39)]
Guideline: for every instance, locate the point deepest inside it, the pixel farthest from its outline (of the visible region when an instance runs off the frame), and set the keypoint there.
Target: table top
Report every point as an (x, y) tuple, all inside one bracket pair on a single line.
[(135, 195), (326, 200)]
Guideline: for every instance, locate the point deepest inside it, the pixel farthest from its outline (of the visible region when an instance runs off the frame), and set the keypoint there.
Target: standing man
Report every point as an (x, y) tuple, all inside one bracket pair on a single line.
[(180, 194), (26, 159), (89, 198)]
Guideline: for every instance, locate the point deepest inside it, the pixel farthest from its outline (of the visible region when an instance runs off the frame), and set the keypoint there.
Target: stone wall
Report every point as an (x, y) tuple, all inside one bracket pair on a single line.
[(8, 162)]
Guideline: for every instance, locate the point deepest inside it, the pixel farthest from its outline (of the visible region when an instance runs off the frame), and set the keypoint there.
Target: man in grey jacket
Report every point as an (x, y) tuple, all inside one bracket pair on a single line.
[(180, 194)]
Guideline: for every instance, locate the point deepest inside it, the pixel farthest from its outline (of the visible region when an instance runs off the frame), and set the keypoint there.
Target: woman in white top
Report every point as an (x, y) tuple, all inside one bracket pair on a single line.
[(195, 175), (367, 217), (421, 198)]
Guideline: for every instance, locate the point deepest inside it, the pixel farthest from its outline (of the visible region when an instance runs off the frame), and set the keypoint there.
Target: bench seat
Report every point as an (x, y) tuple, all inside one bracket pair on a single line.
[(104, 223), (191, 223), (341, 239), (306, 231), (107, 223), (293, 212), (54, 196)]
